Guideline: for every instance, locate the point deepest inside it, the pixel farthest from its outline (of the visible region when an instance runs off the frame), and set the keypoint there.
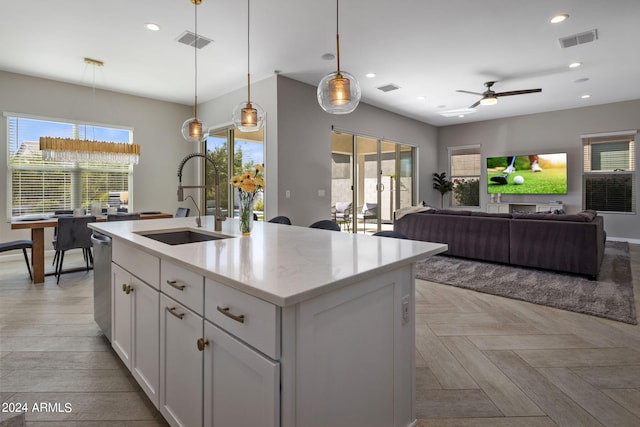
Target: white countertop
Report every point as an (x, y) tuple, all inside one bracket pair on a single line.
[(279, 263)]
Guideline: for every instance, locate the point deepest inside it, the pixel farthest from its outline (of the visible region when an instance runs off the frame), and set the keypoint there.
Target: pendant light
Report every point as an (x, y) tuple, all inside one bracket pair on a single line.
[(248, 116), (193, 130), (338, 92)]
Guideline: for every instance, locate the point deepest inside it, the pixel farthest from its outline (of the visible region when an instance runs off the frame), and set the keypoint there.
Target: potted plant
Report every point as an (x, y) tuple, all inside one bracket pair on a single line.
[(442, 185)]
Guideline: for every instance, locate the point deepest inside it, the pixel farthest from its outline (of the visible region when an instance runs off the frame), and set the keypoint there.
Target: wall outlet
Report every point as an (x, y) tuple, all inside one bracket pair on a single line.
[(287, 194), (405, 309), (321, 193)]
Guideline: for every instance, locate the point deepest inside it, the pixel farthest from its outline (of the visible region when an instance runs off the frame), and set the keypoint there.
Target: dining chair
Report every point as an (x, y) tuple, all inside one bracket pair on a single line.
[(325, 224), (390, 233), (281, 219), (19, 244), (182, 212), (123, 217), (73, 233)]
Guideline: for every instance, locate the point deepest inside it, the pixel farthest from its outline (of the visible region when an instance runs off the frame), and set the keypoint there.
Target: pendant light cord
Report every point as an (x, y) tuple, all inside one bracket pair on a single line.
[(337, 37), (248, 53), (195, 103)]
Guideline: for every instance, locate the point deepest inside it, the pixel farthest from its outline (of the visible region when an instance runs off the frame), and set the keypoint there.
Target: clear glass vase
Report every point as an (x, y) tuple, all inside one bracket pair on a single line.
[(246, 213)]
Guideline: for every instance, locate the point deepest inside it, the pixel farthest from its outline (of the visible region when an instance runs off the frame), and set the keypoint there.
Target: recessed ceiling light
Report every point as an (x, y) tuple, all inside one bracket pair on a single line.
[(370, 75), (558, 18), (421, 98), (328, 57), (461, 115), (582, 80), (575, 64), (152, 27), (585, 96)]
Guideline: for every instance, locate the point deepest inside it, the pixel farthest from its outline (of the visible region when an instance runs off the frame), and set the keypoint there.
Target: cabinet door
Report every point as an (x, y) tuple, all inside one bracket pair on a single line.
[(121, 313), (145, 362), (180, 364), (242, 387)]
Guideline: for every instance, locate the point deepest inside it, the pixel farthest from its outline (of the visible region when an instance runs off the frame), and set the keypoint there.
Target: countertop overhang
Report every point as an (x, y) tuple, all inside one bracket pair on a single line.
[(279, 263)]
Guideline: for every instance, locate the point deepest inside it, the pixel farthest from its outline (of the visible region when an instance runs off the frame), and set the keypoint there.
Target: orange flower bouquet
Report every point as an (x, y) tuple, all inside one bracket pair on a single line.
[(249, 183)]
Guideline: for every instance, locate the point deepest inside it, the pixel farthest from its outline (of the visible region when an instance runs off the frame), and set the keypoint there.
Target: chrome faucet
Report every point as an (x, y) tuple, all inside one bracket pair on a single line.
[(216, 186)]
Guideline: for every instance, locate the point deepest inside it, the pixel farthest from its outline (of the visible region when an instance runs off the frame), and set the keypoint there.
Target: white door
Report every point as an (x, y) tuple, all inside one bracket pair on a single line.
[(242, 387), (180, 364), (145, 364), (121, 313)]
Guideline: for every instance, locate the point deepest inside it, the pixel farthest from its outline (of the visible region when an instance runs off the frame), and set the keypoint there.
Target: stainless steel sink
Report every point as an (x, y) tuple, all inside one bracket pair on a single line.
[(181, 236)]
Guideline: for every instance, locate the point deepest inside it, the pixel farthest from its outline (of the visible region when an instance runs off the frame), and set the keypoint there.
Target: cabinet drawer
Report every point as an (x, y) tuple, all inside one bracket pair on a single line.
[(251, 319), (137, 262), (183, 285)]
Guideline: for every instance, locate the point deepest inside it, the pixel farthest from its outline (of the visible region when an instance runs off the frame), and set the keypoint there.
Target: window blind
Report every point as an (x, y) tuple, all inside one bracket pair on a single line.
[(609, 172), (37, 186)]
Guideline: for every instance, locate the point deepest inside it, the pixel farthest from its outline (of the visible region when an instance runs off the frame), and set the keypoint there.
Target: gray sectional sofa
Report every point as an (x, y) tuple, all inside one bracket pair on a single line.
[(572, 243)]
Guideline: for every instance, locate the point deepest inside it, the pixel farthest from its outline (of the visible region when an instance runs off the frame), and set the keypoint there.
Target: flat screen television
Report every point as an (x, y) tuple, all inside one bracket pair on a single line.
[(527, 174)]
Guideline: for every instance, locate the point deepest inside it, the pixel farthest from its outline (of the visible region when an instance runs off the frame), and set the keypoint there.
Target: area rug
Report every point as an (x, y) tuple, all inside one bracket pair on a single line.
[(610, 296)]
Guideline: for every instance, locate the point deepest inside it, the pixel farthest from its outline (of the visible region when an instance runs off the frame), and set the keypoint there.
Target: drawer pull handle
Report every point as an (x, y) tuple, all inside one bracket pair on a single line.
[(172, 310), (202, 343), (175, 285), (127, 289), (226, 312)]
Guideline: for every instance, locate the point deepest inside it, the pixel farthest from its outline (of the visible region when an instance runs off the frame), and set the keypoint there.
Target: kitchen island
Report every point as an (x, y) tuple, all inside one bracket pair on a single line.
[(289, 326)]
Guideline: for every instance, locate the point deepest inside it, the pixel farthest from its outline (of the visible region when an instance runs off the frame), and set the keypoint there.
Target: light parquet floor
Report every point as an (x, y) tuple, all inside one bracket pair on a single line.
[(481, 360)]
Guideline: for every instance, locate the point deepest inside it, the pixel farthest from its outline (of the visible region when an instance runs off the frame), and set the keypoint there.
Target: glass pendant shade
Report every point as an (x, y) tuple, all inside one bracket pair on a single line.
[(248, 117), (193, 130), (339, 93)]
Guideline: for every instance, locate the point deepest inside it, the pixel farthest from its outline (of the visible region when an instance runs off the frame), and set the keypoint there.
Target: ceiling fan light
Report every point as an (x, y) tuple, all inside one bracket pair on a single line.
[(194, 130), (248, 117), (339, 93), (489, 101)]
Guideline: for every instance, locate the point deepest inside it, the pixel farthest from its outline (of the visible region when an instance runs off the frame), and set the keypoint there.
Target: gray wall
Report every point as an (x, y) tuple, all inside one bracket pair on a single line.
[(156, 127), (304, 148), (557, 131)]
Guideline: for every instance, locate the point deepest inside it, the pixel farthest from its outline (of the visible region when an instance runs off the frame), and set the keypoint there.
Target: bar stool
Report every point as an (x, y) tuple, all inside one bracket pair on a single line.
[(19, 244)]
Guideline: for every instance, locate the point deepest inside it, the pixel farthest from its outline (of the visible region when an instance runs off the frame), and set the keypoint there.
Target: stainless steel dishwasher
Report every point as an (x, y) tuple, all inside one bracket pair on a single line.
[(102, 282)]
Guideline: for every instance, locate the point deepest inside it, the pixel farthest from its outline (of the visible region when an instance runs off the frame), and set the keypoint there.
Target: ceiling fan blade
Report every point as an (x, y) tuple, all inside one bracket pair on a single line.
[(475, 104), (518, 92), (469, 92)]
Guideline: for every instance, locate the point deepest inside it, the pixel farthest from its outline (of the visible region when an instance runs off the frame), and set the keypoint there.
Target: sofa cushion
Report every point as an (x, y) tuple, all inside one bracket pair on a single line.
[(452, 212), (491, 214), (584, 216)]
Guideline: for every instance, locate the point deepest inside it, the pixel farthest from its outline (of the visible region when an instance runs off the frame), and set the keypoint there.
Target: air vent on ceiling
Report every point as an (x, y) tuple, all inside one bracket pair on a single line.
[(389, 87), (189, 39), (582, 38)]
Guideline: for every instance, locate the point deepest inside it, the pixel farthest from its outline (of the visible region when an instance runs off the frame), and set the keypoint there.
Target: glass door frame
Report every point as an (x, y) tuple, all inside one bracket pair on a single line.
[(357, 177)]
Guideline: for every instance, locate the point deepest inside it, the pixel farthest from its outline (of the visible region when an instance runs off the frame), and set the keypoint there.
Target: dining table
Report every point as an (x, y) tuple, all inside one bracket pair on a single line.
[(37, 226)]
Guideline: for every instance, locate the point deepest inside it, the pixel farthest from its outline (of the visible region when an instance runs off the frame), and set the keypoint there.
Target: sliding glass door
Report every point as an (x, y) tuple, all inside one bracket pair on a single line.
[(375, 175), (232, 152)]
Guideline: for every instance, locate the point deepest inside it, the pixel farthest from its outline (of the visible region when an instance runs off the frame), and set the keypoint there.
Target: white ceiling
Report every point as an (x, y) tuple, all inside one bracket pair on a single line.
[(429, 48)]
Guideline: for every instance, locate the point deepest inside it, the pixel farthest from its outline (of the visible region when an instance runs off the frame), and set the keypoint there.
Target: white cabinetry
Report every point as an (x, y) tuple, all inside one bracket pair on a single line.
[(241, 386), (221, 357), (181, 364), (135, 328), (522, 207)]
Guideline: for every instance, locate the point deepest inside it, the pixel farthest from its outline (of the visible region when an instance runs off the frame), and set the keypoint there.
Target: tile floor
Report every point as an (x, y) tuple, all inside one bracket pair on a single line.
[(481, 360)]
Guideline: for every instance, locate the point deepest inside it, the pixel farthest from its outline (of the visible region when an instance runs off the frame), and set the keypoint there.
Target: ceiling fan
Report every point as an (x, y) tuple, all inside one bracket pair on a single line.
[(489, 97)]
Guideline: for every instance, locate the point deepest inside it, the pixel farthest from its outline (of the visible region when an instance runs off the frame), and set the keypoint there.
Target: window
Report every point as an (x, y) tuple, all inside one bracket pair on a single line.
[(36, 186), (465, 175), (609, 172)]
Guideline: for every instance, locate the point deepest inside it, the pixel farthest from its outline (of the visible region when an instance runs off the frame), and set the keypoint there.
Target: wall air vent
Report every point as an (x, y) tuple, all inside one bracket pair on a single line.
[(576, 39), (189, 39), (389, 87)]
